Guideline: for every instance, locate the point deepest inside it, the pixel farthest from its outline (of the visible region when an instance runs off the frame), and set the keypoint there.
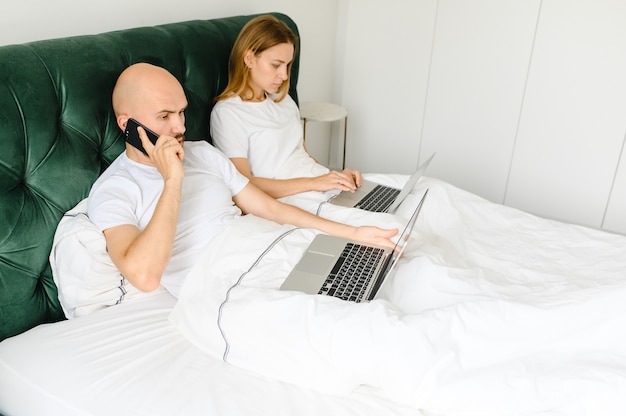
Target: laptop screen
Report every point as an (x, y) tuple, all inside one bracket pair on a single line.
[(397, 251)]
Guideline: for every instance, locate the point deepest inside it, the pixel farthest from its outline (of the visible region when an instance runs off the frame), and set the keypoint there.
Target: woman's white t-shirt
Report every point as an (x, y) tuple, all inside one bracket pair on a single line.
[(127, 193), (267, 133)]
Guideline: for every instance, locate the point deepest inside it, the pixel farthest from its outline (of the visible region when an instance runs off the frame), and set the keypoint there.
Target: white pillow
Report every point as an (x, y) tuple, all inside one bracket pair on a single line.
[(86, 278)]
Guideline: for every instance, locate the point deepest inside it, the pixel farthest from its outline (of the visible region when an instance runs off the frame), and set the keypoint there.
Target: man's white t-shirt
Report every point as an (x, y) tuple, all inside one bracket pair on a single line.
[(267, 133), (127, 193)]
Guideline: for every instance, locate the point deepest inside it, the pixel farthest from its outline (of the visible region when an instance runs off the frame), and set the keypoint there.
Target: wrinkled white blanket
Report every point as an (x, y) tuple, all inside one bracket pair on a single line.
[(491, 311)]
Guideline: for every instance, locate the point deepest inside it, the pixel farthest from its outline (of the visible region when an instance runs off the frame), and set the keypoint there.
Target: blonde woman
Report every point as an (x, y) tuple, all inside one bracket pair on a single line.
[(257, 124)]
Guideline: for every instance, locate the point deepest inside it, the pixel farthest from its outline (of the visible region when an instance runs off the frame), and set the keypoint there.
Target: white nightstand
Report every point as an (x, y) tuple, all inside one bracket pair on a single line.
[(325, 112)]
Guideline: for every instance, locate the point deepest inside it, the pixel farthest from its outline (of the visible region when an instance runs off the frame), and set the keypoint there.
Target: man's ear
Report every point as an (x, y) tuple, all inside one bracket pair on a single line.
[(122, 119)]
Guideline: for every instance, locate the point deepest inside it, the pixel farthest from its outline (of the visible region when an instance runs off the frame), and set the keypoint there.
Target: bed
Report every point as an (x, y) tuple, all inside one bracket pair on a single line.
[(491, 311), (514, 314)]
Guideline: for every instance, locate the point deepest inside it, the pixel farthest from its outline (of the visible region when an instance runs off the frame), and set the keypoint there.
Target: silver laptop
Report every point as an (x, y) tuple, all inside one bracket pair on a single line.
[(338, 267), (379, 198)]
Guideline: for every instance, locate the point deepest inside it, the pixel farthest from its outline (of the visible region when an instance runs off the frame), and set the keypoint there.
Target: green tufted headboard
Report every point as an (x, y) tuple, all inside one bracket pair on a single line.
[(58, 133)]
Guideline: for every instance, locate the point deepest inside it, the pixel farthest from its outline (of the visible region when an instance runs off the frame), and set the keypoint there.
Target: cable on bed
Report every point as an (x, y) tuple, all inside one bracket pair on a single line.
[(238, 282), (319, 207)]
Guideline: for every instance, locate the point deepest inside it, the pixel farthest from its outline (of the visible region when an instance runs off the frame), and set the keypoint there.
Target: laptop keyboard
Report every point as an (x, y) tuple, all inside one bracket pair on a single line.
[(378, 199), (353, 271)]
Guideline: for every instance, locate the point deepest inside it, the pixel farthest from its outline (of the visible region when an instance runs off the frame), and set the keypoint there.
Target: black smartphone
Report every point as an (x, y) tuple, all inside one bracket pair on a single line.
[(132, 135)]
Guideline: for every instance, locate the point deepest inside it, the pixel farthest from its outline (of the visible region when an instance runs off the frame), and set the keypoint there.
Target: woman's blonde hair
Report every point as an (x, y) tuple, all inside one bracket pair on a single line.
[(258, 35)]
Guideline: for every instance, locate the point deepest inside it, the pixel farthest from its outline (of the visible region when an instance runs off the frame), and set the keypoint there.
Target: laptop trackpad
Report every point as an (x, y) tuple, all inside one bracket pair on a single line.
[(309, 273), (314, 262)]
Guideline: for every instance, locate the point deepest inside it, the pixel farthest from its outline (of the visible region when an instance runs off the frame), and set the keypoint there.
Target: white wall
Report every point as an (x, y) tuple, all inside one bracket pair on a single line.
[(523, 100), (572, 124), (385, 81)]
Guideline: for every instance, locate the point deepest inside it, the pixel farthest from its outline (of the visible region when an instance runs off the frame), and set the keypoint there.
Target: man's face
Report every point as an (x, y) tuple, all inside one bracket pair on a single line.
[(162, 110)]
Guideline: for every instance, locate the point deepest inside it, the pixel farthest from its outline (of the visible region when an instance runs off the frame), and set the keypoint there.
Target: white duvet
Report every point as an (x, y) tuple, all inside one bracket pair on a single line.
[(491, 311)]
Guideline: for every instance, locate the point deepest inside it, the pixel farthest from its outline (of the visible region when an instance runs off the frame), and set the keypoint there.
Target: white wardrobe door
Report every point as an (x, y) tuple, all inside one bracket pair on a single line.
[(480, 60), (615, 219), (386, 58), (572, 125)]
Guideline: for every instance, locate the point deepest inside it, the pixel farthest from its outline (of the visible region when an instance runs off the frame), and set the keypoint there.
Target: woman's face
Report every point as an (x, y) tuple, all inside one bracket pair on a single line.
[(268, 70)]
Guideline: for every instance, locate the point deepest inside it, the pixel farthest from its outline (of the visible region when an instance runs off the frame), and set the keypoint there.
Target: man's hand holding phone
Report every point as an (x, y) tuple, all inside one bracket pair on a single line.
[(131, 134), (165, 152)]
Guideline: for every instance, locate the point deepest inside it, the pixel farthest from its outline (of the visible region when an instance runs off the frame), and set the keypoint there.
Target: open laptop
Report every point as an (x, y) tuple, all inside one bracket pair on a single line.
[(379, 198), (342, 268)]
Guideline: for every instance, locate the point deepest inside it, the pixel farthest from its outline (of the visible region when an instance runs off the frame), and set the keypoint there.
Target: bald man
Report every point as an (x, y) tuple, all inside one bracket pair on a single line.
[(158, 211)]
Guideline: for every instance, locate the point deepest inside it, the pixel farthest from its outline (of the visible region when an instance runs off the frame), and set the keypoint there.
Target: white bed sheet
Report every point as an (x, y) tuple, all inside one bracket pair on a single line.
[(129, 360)]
